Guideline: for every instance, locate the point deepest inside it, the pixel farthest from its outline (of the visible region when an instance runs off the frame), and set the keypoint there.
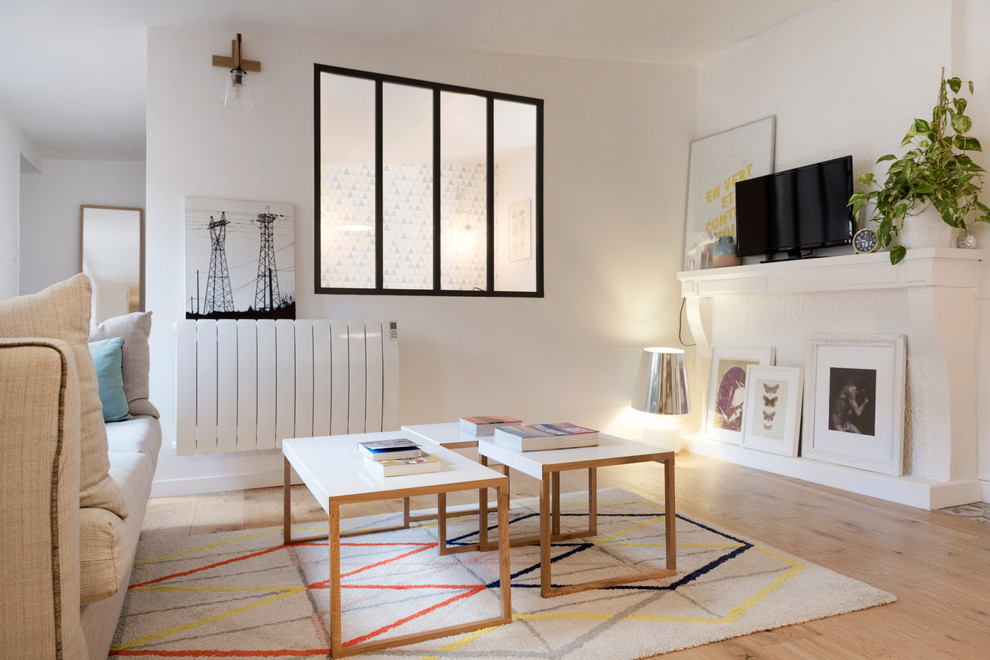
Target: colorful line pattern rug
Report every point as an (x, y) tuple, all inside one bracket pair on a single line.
[(245, 595)]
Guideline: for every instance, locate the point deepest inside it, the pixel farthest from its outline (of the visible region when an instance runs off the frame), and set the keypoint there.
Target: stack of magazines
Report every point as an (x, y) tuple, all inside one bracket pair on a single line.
[(482, 426), (390, 458), (540, 437)]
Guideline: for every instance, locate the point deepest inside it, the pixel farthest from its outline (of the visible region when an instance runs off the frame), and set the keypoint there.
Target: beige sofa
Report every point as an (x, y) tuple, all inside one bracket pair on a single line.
[(74, 489)]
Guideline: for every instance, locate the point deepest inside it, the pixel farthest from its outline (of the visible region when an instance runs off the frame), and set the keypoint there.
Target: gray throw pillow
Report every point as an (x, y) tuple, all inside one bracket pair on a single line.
[(135, 329)]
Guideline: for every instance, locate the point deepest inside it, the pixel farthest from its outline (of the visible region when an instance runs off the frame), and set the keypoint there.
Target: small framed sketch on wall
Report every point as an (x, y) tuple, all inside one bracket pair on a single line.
[(520, 222), (726, 403), (772, 420), (854, 402)]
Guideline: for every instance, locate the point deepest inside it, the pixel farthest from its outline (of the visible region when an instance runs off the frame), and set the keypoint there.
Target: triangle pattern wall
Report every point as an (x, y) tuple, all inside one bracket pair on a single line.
[(347, 198)]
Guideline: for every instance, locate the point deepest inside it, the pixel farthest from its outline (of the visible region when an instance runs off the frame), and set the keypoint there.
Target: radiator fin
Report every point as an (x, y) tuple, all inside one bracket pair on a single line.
[(246, 385)]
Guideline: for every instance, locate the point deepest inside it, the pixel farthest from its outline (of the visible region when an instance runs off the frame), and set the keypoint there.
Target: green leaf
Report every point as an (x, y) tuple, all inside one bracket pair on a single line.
[(922, 126), (896, 254), (960, 105), (924, 188), (866, 179), (970, 86), (961, 123), (966, 143), (954, 84), (887, 157)]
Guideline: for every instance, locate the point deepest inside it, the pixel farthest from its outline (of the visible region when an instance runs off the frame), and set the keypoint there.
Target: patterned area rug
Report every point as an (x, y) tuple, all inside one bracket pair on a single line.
[(244, 595)]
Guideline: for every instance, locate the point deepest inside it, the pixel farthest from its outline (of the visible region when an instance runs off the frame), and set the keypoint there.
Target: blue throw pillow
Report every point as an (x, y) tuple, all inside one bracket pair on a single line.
[(107, 357)]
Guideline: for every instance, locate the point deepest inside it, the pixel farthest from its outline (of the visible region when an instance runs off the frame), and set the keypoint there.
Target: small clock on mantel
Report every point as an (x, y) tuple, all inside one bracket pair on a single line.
[(865, 241)]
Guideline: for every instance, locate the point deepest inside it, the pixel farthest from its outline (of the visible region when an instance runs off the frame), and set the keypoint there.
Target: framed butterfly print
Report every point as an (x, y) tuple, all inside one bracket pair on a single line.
[(772, 420), (724, 411)]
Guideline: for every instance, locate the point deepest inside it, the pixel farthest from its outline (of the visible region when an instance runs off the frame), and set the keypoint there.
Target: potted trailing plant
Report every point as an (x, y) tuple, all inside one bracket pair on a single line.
[(935, 172)]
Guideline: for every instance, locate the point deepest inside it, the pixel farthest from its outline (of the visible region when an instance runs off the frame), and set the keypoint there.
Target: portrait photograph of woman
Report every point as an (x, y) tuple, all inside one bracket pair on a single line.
[(852, 400)]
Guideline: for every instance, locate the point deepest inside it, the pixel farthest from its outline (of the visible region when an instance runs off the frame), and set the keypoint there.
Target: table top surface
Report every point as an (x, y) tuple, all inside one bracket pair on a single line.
[(443, 434), (609, 450), (333, 467)]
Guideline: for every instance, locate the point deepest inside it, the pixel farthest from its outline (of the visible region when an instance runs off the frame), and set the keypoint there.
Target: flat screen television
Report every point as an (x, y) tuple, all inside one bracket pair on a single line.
[(795, 211)]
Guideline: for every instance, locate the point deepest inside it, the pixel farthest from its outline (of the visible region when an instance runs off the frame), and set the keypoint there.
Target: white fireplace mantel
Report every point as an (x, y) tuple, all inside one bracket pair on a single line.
[(939, 285)]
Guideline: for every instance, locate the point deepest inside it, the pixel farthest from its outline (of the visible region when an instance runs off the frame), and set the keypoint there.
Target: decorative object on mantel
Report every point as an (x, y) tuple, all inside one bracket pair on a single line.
[(238, 93), (854, 402), (725, 253), (725, 407), (699, 255), (772, 420), (865, 241), (717, 163), (935, 180), (967, 239)]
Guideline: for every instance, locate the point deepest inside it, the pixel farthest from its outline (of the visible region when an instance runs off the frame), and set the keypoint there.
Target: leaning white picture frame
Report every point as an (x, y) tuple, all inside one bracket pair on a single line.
[(772, 416), (717, 162), (725, 403), (854, 402)]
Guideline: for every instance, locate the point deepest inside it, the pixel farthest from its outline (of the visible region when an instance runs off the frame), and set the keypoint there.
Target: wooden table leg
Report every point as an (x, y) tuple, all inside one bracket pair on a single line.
[(670, 517), (505, 572), (545, 538), (593, 501), (483, 518), (406, 512), (442, 522), (335, 614), (555, 502), (286, 501)]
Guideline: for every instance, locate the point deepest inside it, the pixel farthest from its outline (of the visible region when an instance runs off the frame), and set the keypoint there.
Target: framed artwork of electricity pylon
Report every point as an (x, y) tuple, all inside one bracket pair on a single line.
[(240, 259)]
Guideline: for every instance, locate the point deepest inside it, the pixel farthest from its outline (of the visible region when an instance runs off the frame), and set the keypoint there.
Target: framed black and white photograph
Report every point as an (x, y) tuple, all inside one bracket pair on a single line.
[(240, 259), (726, 402), (717, 162), (854, 402), (772, 420)]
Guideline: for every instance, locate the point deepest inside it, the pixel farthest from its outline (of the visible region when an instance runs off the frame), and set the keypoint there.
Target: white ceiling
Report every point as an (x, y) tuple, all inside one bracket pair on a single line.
[(73, 74)]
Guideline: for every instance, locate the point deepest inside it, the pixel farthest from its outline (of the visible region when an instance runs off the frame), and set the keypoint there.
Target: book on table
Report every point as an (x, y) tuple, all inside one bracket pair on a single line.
[(421, 464), (485, 425), (540, 437), (383, 450)]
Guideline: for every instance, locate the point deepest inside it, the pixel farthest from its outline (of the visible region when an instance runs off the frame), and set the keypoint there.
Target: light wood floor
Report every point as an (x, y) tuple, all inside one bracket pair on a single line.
[(938, 565)]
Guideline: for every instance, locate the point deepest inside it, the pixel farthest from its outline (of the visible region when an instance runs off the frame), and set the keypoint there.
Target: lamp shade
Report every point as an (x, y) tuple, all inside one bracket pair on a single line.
[(661, 383), (238, 92)]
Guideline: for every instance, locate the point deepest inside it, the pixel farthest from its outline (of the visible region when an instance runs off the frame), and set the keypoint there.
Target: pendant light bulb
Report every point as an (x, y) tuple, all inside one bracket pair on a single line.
[(238, 93)]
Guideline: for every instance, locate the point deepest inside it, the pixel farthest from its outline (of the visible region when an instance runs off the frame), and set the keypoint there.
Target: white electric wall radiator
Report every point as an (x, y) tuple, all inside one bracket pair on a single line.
[(245, 385)]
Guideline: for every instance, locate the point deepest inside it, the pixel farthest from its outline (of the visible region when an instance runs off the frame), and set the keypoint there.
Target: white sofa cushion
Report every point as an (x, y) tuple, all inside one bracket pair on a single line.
[(134, 329), (107, 543)]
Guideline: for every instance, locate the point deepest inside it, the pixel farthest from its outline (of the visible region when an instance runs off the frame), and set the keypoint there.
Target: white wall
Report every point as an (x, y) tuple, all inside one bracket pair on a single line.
[(616, 144), (15, 152), (971, 61), (843, 79), (50, 212)]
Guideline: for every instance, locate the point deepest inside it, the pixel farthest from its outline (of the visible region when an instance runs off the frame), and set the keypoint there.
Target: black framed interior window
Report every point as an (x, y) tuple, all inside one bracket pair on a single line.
[(425, 188)]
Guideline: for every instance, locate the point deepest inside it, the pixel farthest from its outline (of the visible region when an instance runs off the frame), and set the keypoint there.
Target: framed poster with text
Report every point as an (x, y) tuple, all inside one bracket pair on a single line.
[(717, 163)]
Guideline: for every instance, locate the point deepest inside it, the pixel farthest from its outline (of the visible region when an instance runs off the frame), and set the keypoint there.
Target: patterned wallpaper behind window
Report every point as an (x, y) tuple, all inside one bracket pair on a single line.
[(348, 198)]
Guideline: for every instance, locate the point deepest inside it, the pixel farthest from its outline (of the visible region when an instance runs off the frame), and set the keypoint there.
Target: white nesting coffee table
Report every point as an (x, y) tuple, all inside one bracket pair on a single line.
[(333, 469), (546, 466)]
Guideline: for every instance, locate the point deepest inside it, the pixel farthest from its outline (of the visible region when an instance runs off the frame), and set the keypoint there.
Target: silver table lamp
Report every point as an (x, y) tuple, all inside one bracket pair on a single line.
[(661, 383)]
